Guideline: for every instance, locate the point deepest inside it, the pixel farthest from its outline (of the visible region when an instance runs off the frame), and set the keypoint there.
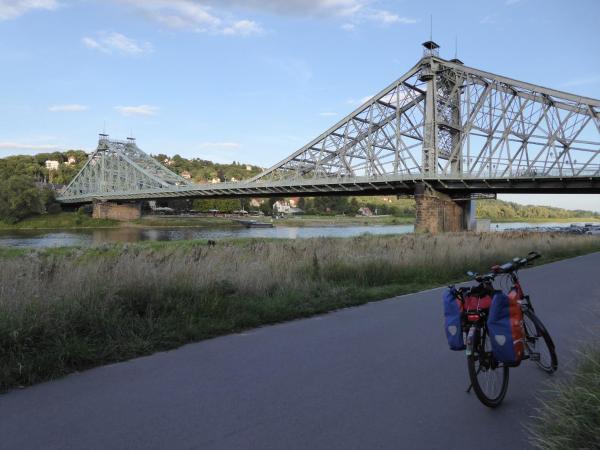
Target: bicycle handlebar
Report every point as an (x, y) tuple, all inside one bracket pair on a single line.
[(508, 267)]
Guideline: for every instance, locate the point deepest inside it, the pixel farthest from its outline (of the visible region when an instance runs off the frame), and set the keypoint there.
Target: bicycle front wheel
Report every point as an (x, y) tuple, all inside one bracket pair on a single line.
[(489, 377), (539, 342)]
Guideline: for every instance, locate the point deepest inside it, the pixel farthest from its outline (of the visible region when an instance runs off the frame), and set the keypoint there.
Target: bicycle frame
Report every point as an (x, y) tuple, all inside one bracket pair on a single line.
[(484, 369), (523, 299)]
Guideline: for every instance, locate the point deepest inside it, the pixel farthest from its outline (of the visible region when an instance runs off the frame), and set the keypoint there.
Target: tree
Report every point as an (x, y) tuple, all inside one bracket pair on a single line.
[(267, 207), (223, 205), (20, 199), (302, 203)]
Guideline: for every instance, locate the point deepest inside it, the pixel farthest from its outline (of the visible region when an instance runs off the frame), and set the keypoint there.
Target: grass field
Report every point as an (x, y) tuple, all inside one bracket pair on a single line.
[(571, 418), (67, 309)]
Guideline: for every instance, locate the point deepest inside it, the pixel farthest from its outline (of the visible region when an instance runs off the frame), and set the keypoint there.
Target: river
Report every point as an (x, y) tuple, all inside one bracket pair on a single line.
[(86, 237)]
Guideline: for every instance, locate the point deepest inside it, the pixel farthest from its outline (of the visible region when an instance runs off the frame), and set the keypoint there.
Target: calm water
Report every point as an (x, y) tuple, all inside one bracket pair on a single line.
[(47, 238)]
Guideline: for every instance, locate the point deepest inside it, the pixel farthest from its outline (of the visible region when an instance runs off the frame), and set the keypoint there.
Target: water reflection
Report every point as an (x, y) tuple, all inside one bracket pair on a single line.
[(43, 239)]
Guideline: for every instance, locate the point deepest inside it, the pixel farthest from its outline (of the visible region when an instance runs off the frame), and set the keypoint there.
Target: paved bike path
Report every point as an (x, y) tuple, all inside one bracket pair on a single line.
[(378, 376)]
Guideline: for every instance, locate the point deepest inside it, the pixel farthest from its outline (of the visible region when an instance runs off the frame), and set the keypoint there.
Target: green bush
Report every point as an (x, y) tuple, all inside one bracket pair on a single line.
[(85, 210), (53, 208)]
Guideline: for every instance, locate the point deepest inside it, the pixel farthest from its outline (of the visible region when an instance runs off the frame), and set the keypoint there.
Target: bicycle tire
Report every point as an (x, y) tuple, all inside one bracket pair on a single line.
[(542, 332), (475, 369)]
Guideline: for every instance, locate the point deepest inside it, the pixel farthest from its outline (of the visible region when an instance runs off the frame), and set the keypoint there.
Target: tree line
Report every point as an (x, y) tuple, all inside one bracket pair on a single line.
[(25, 183), (204, 171)]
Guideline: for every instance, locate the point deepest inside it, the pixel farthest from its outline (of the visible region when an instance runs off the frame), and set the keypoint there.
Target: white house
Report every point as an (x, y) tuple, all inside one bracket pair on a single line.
[(284, 207), (52, 165)]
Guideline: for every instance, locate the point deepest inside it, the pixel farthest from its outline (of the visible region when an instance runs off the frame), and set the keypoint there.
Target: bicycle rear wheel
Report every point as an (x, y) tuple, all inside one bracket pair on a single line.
[(489, 377), (539, 342)]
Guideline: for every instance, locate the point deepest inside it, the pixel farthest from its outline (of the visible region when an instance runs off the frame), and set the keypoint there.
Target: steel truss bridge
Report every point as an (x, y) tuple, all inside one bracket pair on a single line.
[(453, 128)]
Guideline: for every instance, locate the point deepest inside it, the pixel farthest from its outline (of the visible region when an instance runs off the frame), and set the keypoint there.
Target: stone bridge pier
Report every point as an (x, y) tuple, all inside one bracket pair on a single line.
[(437, 212), (117, 211)]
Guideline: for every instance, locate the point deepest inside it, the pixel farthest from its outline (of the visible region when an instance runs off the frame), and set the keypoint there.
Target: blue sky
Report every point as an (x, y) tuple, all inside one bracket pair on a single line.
[(253, 80)]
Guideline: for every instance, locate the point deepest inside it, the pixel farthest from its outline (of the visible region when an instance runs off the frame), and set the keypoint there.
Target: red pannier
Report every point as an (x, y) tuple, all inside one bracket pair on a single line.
[(474, 303), (505, 325)]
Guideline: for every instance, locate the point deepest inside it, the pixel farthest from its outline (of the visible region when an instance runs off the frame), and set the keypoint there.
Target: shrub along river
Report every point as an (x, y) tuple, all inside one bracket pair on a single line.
[(84, 237)]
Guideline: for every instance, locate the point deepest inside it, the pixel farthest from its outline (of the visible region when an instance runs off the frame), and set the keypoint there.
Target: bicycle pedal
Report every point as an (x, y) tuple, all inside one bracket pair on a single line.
[(534, 356)]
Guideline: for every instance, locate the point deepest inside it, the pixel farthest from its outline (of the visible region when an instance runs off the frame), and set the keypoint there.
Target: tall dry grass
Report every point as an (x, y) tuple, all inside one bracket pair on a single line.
[(570, 419), (64, 311)]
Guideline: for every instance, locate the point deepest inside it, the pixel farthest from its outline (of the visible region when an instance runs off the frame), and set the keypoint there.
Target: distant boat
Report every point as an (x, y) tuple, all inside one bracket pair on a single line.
[(254, 224)]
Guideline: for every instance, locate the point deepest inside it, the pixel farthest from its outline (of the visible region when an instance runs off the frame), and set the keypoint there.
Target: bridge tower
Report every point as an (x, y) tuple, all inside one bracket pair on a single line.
[(441, 141)]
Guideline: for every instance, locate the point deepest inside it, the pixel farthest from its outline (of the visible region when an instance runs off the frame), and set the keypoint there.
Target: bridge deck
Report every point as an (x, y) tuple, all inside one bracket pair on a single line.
[(386, 185)]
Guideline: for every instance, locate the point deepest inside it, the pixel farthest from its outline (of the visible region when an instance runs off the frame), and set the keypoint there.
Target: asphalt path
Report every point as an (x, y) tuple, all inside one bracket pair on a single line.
[(378, 376)]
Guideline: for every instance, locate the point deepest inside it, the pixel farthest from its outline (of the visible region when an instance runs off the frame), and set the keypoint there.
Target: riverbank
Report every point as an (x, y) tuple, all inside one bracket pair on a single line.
[(61, 221), (71, 220), (74, 221), (341, 221), (544, 220), (68, 309)]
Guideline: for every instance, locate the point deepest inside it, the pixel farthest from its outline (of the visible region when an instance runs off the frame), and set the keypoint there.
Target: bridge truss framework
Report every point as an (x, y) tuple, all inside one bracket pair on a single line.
[(454, 128)]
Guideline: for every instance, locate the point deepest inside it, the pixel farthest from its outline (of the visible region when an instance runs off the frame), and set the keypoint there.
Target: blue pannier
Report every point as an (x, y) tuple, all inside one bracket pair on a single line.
[(453, 320), (505, 327)]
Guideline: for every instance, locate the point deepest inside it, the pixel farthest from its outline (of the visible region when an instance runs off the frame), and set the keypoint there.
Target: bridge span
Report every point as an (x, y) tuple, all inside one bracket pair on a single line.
[(443, 132)]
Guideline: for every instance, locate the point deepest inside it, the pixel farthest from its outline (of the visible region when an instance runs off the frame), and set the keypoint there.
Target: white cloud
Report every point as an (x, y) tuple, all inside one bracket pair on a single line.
[(11, 9), (215, 16), (296, 7), (25, 146), (328, 114), (68, 108), (360, 101), (117, 43), (141, 110), (488, 20), (243, 28), (388, 18), (193, 15)]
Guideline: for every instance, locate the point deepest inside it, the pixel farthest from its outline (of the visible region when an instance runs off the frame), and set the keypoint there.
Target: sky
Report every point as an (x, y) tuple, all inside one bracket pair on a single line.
[(254, 80)]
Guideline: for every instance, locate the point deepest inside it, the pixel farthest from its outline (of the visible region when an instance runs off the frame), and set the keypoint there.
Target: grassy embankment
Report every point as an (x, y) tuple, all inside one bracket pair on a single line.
[(68, 220), (571, 418), (72, 220), (62, 220), (67, 309)]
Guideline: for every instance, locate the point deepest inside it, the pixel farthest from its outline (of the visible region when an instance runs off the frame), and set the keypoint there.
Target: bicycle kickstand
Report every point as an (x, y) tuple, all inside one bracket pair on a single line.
[(469, 388)]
